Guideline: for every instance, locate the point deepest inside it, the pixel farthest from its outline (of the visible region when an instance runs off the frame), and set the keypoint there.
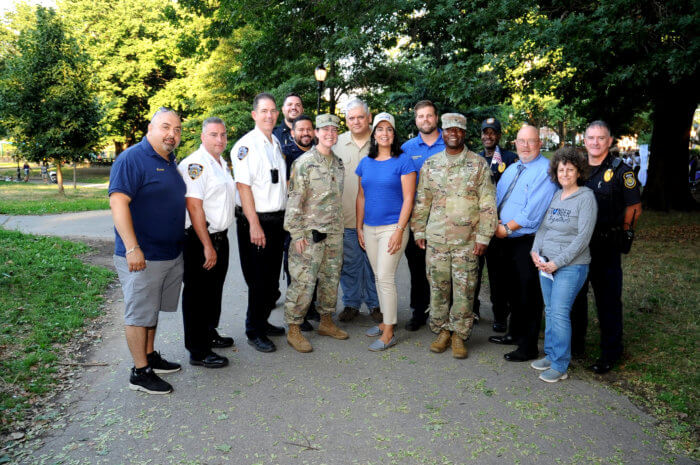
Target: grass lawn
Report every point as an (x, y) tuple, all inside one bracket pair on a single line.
[(85, 174), (46, 295), (41, 199), (661, 302)]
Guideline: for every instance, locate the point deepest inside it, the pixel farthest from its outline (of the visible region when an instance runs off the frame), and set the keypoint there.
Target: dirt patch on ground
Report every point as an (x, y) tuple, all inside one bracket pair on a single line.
[(73, 358)]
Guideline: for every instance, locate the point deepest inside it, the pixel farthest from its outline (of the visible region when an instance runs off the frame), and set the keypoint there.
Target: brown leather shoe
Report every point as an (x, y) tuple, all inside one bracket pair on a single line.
[(376, 314), (328, 328), (297, 340), (440, 344), (348, 314), (459, 349)]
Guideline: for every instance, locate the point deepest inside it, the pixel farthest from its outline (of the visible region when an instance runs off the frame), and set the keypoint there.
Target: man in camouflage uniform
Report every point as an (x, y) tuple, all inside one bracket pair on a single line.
[(454, 217), (314, 219)]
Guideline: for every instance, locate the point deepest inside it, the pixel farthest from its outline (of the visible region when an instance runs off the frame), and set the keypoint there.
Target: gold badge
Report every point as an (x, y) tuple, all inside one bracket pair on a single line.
[(630, 180), (608, 175), (502, 167)]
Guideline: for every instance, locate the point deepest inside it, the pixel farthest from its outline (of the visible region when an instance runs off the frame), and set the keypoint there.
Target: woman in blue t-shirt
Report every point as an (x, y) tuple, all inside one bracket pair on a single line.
[(384, 203)]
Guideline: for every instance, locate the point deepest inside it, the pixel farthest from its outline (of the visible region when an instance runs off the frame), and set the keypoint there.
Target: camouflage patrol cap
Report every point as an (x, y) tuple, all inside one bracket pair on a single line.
[(454, 120), (492, 123), (326, 119)]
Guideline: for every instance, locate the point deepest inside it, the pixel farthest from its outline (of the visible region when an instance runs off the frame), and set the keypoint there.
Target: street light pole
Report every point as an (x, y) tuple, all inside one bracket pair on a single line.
[(320, 74)]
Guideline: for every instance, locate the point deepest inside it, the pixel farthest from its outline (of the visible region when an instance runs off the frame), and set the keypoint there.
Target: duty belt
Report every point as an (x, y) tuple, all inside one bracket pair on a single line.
[(267, 216), (215, 237)]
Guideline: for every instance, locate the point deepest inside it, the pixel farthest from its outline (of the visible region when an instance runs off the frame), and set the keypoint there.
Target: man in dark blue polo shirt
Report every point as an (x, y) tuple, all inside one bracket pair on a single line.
[(498, 160), (428, 142), (147, 198)]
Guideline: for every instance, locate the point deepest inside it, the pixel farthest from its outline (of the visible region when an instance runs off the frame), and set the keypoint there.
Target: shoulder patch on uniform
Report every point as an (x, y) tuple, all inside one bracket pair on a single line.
[(242, 152), (630, 180), (194, 170)]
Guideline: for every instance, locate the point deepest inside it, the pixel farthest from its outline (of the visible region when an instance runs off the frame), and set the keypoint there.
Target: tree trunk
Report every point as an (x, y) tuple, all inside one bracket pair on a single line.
[(118, 148), (75, 168), (562, 133), (59, 177), (667, 182)]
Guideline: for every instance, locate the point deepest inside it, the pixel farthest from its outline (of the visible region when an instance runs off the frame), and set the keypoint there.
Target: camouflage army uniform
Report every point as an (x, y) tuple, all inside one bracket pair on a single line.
[(315, 193), (455, 207)]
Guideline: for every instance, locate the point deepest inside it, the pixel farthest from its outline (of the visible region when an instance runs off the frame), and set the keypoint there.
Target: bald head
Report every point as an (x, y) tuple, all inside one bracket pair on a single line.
[(528, 143)]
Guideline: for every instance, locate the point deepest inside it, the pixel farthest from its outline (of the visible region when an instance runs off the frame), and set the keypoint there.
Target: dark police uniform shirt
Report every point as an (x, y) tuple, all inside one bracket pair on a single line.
[(157, 194), (284, 135), (615, 189), (291, 153), (507, 157)]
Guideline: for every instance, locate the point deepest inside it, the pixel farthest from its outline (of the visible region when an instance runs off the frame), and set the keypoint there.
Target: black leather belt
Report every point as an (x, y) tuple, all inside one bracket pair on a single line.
[(215, 237), (267, 216)]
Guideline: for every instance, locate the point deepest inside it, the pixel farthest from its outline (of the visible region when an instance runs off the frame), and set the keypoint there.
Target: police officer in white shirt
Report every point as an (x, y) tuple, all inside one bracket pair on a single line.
[(209, 199), (261, 184)]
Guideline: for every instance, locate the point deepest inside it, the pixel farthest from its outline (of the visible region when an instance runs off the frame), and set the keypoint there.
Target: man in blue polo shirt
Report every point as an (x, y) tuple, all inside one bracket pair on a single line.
[(523, 195), (147, 198), (428, 142)]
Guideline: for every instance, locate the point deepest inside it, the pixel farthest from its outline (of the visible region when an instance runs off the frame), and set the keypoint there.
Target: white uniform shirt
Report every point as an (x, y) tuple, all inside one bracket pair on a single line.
[(253, 157), (212, 183)]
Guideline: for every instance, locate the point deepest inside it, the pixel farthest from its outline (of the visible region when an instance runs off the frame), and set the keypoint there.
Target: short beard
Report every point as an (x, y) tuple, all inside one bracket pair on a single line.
[(298, 142)]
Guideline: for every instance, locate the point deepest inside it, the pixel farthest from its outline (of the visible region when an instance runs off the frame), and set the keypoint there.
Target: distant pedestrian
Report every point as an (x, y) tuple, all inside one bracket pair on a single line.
[(45, 172), (26, 172)]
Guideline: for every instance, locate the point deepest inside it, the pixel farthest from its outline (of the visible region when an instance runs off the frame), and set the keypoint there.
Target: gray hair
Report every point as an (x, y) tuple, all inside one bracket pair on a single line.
[(599, 124), (162, 110), (212, 120), (352, 104)]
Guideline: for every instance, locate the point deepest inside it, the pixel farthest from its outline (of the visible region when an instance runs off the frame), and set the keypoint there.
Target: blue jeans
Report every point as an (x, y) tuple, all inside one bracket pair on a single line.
[(558, 297), (356, 277)]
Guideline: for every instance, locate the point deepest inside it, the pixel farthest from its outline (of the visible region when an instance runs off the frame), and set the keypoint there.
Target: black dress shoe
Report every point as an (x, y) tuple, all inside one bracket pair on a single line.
[(262, 344), (306, 326), (210, 361), (220, 342), (601, 367), (414, 324), (519, 356), (477, 318), (499, 327), (272, 330), (506, 339)]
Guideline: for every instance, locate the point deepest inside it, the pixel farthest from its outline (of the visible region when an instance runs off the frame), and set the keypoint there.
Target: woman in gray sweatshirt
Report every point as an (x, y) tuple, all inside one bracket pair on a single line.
[(560, 252)]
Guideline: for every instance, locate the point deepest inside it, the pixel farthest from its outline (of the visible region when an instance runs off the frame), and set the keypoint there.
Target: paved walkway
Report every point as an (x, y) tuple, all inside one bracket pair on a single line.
[(340, 404)]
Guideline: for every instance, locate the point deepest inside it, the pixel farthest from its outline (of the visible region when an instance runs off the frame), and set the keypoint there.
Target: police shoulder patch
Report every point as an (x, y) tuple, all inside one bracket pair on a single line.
[(630, 180), (194, 170), (242, 152)]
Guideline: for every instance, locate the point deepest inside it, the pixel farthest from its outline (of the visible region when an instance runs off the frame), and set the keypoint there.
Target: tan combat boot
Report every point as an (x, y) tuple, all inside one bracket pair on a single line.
[(297, 340), (328, 328), (459, 349), (440, 344)]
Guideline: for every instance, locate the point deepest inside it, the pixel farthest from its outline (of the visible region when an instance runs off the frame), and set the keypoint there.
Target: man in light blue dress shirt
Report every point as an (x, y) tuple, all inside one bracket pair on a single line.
[(523, 195)]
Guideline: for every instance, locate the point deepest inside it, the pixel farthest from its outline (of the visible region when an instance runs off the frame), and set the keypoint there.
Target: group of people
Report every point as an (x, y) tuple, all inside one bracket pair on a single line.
[(341, 210)]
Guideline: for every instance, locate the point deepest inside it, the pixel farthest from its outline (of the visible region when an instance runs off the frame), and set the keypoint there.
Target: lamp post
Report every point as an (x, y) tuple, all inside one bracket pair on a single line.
[(320, 74)]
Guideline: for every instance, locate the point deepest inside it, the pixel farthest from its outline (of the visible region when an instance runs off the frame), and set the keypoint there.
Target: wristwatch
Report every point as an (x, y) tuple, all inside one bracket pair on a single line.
[(508, 230)]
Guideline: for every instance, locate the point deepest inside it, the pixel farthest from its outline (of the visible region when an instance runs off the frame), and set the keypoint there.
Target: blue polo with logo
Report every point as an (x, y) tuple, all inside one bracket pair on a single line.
[(157, 194), (419, 151)]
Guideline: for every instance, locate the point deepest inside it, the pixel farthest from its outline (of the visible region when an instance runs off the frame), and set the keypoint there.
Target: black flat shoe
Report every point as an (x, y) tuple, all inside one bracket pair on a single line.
[(306, 326), (506, 339), (210, 361), (272, 330), (601, 367), (518, 356), (262, 344), (414, 324), (221, 342), (499, 327)]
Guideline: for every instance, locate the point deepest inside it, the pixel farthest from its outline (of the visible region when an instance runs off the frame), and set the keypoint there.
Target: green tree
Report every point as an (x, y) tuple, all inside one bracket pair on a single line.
[(47, 102)]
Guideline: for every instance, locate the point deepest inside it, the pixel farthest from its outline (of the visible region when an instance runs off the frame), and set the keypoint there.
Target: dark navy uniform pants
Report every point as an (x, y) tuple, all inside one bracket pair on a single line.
[(261, 269), (499, 303), (201, 294), (605, 276), (420, 289)]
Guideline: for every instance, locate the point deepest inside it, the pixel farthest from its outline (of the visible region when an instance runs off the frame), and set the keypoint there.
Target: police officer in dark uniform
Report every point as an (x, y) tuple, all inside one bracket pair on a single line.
[(291, 109), (619, 206), (498, 160), (302, 140)]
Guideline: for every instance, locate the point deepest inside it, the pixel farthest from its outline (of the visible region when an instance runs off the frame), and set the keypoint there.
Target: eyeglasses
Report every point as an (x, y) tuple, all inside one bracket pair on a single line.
[(527, 141)]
